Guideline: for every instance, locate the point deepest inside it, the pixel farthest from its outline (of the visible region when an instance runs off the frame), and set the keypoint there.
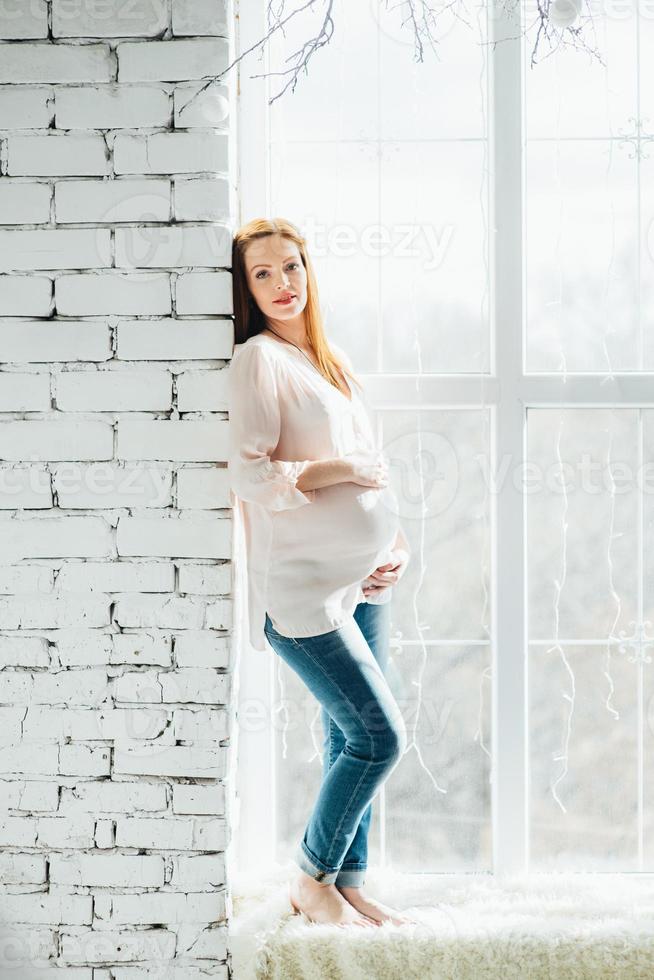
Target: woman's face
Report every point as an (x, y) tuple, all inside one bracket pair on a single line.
[(274, 269)]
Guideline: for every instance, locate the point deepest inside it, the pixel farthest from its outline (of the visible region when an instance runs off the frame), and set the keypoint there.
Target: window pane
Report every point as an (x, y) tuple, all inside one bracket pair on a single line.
[(433, 286), (411, 92), (331, 192), (590, 767), (581, 257), (436, 471), (585, 539), (571, 94), (389, 185), (298, 744), (588, 678), (589, 129), (438, 797)]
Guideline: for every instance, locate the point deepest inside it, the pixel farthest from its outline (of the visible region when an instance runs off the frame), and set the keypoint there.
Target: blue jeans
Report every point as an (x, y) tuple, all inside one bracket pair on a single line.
[(365, 736)]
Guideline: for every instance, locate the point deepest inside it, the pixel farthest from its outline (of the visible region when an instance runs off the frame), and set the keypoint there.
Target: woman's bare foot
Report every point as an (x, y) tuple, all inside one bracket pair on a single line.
[(324, 903), (370, 907)]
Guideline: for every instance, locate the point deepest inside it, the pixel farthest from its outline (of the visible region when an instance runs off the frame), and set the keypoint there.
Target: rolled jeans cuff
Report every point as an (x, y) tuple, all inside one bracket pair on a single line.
[(346, 877)]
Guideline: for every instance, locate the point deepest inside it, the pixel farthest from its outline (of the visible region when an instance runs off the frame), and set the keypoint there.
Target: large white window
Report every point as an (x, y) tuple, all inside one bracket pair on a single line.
[(483, 239)]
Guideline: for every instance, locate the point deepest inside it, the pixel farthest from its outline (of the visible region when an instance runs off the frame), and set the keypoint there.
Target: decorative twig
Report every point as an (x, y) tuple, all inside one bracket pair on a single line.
[(422, 18)]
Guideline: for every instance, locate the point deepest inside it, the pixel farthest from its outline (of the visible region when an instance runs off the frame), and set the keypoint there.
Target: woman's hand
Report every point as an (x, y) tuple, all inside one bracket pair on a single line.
[(388, 574), (368, 469)]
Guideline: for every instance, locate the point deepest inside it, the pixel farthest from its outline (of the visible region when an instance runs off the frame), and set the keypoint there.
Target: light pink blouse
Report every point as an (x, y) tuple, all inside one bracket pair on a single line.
[(306, 553)]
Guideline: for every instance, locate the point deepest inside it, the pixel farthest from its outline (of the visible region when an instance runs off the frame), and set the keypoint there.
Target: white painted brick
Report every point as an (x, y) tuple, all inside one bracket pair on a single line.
[(82, 647), (142, 648), (168, 612), (199, 685), (25, 295), (204, 292), (47, 62), (115, 797), (40, 972), (219, 614), (25, 108), (203, 488), (185, 440), (202, 649), (204, 725), (69, 440), (85, 724), (127, 946), (199, 17), (22, 869), (198, 872), (197, 105), (54, 341), (104, 838), (71, 687), (111, 201), (21, 19), (111, 484), (202, 391), (173, 538), (118, 391), (190, 761), (15, 687), (202, 199), (112, 107), (150, 909), (204, 580), (15, 580), (78, 248), (209, 944), (115, 576), (112, 616), (47, 612), (24, 202), (25, 487), (142, 687), (51, 909), (171, 153), (10, 732), (170, 339), (71, 830), (24, 651), (108, 870), (21, 392), (183, 971), (110, 18), (29, 758), (17, 831), (84, 760), (203, 801), (57, 154), (30, 796), (171, 61), (113, 293), (208, 245)]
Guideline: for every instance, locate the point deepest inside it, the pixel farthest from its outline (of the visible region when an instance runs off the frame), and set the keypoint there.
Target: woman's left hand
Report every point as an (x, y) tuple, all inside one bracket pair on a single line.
[(386, 575)]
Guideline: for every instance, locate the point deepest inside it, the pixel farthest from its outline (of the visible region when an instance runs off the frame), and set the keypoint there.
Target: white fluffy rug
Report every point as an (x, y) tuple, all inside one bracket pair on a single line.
[(471, 927)]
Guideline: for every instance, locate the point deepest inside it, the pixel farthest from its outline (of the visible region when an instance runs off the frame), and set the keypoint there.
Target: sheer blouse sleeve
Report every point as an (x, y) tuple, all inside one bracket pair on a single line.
[(254, 430)]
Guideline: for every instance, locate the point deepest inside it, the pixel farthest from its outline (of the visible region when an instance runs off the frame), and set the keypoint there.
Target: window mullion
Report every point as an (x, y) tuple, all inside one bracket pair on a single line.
[(509, 709)]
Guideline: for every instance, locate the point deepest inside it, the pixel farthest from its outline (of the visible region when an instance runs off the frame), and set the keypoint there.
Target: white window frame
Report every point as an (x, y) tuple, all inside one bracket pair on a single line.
[(507, 392)]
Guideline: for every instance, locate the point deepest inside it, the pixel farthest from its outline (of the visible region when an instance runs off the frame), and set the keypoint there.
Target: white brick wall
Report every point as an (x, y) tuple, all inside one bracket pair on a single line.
[(115, 532)]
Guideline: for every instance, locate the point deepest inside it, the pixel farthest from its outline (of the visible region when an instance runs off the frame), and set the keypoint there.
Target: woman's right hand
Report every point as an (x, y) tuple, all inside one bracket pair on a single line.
[(368, 469)]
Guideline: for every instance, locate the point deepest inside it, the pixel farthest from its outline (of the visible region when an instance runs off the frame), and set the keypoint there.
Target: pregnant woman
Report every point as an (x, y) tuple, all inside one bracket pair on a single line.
[(323, 550)]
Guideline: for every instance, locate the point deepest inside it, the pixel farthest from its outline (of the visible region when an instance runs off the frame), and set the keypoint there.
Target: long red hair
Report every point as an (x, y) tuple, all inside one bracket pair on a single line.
[(248, 318)]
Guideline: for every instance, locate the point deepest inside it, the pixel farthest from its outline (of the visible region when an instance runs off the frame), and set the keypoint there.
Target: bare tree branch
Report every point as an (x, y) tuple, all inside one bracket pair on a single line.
[(422, 19)]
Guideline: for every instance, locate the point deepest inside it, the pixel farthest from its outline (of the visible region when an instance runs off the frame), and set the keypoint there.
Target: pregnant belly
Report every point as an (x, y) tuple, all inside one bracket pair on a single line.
[(346, 527)]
